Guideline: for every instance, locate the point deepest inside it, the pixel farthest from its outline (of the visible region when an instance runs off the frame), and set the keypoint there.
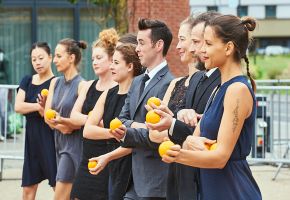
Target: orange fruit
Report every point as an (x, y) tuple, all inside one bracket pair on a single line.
[(115, 123), (213, 146), (50, 114), (154, 100), (44, 92), (207, 146), (92, 164), (164, 146), (152, 117)]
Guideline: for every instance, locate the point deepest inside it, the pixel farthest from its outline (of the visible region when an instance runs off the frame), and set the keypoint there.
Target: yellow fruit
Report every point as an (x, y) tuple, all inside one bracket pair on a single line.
[(92, 164), (115, 123), (207, 146), (154, 100), (50, 114), (213, 146), (164, 146), (44, 92), (89, 113), (152, 117)]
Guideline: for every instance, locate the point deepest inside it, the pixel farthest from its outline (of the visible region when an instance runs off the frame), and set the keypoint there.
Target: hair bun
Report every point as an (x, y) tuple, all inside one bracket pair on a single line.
[(249, 23), (82, 44), (109, 37)]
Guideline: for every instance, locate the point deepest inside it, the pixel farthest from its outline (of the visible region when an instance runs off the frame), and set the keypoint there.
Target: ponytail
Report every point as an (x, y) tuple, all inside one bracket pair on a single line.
[(249, 74)]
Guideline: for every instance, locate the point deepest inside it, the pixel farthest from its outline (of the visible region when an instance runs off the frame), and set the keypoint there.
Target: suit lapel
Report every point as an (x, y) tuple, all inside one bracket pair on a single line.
[(191, 88), (151, 84), (204, 86)]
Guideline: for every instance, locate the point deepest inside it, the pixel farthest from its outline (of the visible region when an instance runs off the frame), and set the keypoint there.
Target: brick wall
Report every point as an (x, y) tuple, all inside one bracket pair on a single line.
[(172, 12)]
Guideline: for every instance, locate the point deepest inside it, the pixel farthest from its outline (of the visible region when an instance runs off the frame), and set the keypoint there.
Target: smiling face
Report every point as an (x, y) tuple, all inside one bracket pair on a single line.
[(215, 52), (197, 40), (62, 59), (40, 60), (101, 61), (119, 68), (184, 42)]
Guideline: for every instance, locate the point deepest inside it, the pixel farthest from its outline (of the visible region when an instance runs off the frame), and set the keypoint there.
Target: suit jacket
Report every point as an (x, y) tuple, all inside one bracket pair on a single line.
[(183, 180), (197, 102), (148, 171)]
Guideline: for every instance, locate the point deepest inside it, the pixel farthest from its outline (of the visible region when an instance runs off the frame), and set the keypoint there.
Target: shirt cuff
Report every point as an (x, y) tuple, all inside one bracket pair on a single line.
[(170, 131), (123, 139)]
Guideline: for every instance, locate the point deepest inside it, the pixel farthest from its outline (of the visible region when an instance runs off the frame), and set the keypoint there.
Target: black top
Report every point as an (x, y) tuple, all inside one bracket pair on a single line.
[(177, 99)]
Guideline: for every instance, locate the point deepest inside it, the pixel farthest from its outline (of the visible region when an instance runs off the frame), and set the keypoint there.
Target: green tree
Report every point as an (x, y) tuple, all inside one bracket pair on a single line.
[(111, 9)]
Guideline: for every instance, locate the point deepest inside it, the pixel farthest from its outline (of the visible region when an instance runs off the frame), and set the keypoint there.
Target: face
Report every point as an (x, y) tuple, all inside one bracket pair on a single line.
[(197, 40), (101, 61), (184, 42), (214, 51), (40, 60), (145, 49), (119, 68), (62, 59)]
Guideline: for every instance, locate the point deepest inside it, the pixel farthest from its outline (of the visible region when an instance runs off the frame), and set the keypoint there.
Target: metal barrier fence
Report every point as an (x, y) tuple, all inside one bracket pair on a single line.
[(272, 138), (11, 127)]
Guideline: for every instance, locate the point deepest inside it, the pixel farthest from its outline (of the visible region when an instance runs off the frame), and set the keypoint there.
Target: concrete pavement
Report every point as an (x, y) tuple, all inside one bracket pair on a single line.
[(278, 190)]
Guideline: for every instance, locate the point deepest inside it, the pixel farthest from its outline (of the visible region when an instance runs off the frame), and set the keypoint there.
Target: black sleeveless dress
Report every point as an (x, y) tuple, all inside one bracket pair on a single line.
[(120, 169), (86, 185)]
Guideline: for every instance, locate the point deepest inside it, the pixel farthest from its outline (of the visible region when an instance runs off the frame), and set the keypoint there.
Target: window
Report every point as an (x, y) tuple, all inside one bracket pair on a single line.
[(212, 8), (242, 11), (270, 11)]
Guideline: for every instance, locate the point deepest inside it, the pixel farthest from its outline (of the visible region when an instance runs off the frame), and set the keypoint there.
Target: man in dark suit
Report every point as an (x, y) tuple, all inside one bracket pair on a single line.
[(183, 180), (149, 173)]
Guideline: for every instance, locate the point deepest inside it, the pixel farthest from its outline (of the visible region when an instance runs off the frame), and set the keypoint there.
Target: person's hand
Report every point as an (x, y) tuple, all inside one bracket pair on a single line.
[(41, 100), (162, 107), (102, 162), (188, 116), (41, 111), (196, 143), (172, 154), (164, 123), (119, 133)]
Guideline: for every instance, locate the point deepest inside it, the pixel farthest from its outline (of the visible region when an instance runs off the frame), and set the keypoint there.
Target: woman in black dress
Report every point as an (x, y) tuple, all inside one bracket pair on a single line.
[(39, 156), (125, 66), (86, 185)]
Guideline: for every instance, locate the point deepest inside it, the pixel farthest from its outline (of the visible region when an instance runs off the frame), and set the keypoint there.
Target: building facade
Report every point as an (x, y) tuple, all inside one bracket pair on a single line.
[(273, 17), (23, 22)]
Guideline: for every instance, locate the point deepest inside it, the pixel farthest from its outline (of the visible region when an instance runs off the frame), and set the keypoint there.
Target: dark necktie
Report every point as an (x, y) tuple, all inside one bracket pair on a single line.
[(143, 81)]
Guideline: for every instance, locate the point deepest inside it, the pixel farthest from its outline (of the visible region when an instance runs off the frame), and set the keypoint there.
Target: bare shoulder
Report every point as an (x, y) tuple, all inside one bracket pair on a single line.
[(239, 93)]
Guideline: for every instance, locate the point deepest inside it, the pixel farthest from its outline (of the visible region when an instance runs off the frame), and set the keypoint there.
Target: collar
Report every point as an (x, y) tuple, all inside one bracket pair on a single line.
[(156, 69), (210, 72)]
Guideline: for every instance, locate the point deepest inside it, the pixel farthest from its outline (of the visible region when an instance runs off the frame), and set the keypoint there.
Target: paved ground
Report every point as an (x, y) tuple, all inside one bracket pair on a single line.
[(278, 190)]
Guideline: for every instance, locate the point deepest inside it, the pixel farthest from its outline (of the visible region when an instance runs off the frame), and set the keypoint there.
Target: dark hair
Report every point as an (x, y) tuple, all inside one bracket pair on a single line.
[(108, 39), (159, 31), (74, 47), (130, 55), (205, 17), (129, 38), (231, 28), (42, 45)]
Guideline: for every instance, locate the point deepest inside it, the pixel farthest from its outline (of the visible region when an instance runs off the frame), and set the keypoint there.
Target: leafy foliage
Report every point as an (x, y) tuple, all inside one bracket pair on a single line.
[(111, 9)]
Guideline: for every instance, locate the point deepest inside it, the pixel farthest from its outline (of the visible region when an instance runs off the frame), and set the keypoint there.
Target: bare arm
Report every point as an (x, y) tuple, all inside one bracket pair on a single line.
[(76, 116), (23, 107), (92, 128), (238, 103), (103, 160)]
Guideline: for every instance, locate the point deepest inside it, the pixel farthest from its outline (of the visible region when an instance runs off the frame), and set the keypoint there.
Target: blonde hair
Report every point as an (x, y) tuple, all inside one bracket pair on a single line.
[(107, 39)]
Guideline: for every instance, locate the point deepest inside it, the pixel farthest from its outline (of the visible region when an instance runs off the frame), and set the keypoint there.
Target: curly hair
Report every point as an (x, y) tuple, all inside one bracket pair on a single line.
[(107, 39)]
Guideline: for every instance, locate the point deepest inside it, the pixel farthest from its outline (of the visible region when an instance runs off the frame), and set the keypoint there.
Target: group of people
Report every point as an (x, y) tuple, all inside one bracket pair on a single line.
[(214, 103)]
